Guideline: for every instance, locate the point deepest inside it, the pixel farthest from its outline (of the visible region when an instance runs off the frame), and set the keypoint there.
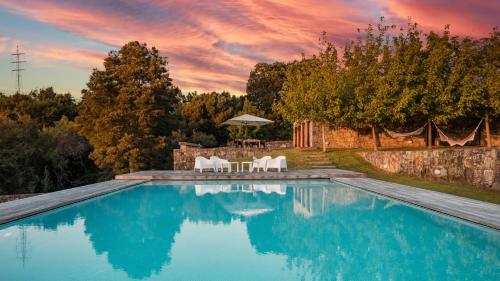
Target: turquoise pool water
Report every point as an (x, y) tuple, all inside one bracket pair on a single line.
[(302, 230)]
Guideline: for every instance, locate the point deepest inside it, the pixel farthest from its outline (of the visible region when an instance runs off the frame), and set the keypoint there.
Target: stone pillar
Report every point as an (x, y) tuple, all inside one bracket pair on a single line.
[(306, 134), (294, 135), (311, 134), (299, 135), (302, 134)]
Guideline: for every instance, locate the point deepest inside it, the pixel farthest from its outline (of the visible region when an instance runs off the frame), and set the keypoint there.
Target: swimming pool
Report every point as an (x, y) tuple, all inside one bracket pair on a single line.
[(258, 230)]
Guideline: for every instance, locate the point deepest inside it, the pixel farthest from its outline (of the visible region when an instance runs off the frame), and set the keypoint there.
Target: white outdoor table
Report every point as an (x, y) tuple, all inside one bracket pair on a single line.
[(250, 167), (231, 166)]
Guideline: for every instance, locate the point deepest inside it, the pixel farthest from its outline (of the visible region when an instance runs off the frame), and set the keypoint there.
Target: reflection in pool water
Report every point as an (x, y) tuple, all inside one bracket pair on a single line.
[(303, 230)]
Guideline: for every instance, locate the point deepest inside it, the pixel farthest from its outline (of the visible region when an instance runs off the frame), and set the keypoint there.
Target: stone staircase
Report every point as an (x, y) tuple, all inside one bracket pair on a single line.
[(317, 159)]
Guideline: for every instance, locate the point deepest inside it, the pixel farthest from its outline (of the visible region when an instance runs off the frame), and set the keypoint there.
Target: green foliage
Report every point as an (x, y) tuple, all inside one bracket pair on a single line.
[(477, 74), (40, 161), (297, 101), (207, 140), (203, 114), (395, 100), (264, 85), (388, 79), (264, 88), (128, 111), (243, 132), (44, 106)]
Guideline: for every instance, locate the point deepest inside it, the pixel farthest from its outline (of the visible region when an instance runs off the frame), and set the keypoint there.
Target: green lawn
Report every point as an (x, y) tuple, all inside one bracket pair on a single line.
[(348, 159)]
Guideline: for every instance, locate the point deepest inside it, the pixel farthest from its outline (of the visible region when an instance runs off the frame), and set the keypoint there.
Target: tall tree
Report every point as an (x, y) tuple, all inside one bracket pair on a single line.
[(128, 110), (365, 68), (437, 101), (296, 102), (402, 80), (264, 87), (477, 73)]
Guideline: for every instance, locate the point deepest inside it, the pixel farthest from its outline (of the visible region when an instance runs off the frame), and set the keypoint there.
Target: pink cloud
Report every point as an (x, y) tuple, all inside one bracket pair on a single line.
[(213, 45), (81, 58), (466, 17)]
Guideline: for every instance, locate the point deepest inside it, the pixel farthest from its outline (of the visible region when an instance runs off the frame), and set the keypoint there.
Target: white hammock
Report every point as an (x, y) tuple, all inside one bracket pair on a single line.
[(405, 135), (460, 142)]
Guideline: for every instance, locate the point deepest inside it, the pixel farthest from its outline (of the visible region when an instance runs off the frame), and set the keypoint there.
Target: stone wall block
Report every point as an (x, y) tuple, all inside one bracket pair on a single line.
[(477, 166)]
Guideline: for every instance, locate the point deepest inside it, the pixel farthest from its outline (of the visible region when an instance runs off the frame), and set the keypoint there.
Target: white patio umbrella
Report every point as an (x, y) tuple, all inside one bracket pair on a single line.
[(248, 120)]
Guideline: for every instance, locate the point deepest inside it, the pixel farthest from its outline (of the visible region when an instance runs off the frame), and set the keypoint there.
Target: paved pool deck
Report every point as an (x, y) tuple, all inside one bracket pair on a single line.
[(484, 213), (288, 175), (475, 211), (21, 208)]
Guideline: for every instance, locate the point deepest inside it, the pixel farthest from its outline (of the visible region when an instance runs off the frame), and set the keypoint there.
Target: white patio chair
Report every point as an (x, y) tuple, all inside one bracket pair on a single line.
[(220, 164), (270, 188), (260, 163), (201, 163), (278, 163)]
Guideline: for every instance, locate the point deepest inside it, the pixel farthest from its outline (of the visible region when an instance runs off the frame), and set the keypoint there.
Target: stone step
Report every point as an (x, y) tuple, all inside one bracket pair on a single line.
[(319, 163), (324, 167)]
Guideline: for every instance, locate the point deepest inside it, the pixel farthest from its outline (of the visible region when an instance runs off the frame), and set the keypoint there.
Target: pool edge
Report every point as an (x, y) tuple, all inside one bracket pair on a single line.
[(26, 207), (470, 210)]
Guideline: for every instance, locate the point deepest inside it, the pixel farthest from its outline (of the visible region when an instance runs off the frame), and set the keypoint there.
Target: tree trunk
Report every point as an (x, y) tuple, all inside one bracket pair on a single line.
[(429, 133), (487, 128), (374, 135), (323, 137)]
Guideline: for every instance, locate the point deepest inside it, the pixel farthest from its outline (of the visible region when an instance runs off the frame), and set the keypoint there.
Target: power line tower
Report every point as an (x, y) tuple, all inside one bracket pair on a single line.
[(18, 69)]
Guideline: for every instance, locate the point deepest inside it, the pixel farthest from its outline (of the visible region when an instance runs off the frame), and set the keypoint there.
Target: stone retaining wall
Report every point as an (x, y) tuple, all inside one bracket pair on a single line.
[(476, 165), (184, 156), (348, 138)]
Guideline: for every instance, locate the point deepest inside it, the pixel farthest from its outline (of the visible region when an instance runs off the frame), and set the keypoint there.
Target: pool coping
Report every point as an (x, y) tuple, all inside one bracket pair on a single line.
[(287, 175), (479, 212), (475, 211), (21, 208)]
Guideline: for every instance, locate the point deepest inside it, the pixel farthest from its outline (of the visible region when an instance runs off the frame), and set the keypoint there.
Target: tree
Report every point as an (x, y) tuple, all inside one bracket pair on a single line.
[(396, 82), (203, 114), (32, 160), (128, 110), (402, 82), (477, 72), (43, 106), (491, 76), (264, 87), (437, 101), (297, 103), (365, 67)]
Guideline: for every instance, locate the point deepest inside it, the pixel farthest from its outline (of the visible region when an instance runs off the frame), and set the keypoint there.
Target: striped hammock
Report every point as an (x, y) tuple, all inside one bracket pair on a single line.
[(460, 142), (405, 135)]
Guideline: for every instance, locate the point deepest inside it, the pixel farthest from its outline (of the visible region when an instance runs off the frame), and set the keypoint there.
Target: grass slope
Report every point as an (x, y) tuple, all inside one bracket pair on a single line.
[(348, 159)]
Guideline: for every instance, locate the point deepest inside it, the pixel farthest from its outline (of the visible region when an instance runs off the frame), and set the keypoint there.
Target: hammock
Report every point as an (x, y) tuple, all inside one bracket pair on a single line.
[(405, 135), (461, 142)]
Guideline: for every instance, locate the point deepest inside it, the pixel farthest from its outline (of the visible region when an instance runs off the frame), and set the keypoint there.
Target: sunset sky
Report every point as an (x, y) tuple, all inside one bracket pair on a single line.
[(211, 45)]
